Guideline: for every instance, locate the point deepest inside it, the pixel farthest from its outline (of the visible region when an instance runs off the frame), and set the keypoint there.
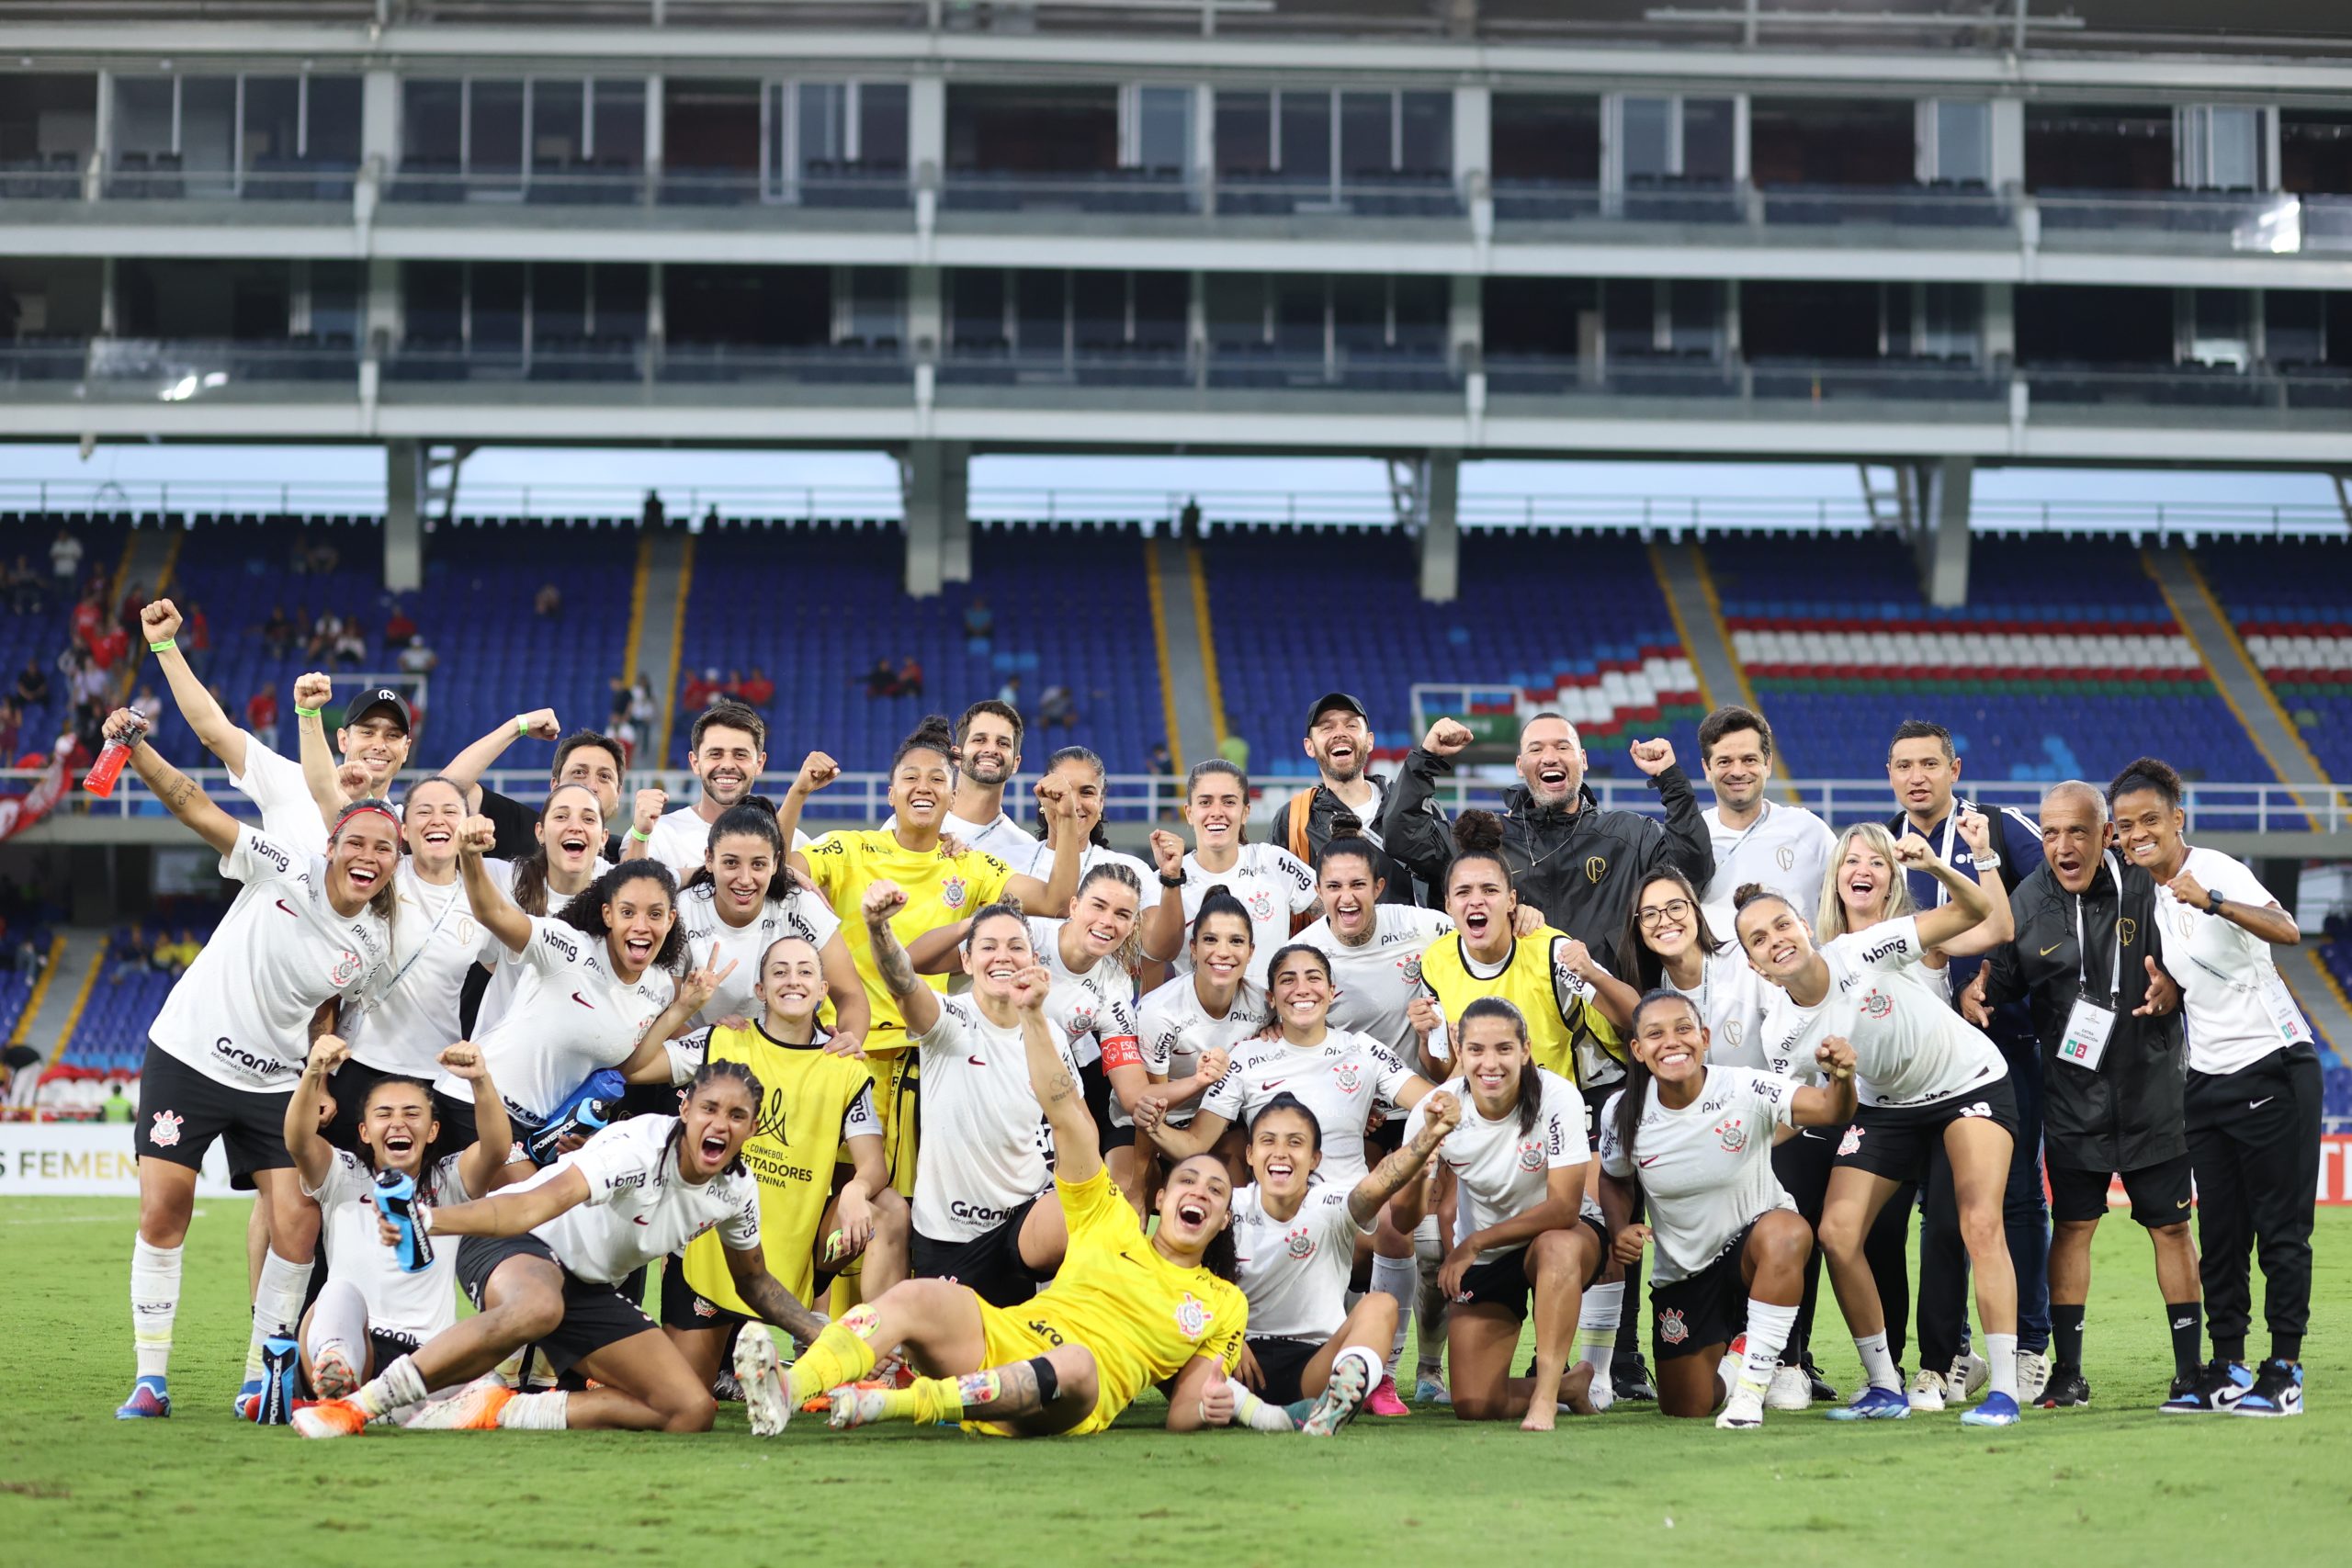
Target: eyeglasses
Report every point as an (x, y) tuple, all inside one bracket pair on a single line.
[(1672, 910)]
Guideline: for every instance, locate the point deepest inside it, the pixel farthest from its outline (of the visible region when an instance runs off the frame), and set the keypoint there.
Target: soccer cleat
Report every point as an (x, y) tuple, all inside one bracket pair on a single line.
[(725, 1389), (281, 1382), (474, 1408), (2216, 1391), (2066, 1389), (852, 1404), (1345, 1394), (1927, 1391), (1998, 1410), (1630, 1376), (2278, 1390), (1743, 1409), (1430, 1390), (765, 1396), (332, 1374), (1788, 1390), (2033, 1375), (1822, 1390), (247, 1403), (1383, 1400), (1873, 1404), (330, 1418), (149, 1400)]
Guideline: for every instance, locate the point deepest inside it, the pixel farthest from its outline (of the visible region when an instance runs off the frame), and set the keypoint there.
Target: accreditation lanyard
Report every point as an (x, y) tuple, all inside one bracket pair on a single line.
[(2089, 1025)]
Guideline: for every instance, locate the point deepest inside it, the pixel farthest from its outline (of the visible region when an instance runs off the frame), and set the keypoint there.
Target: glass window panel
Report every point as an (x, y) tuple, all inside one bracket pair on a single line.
[(1707, 138), (1164, 136), (976, 305), (1629, 307), (618, 122), (1696, 306), (1038, 327), (822, 110), (1648, 128), (338, 293), (1428, 133), (272, 120), (497, 145), (430, 117), (1245, 132), (1364, 126), (1161, 301), (556, 133), (2234, 158), (1422, 305), (1099, 304), (433, 299), (1306, 135), (882, 125), (143, 114), (1298, 317), (877, 303), (334, 120), (1237, 307), (1360, 311), (1963, 143), (209, 133)]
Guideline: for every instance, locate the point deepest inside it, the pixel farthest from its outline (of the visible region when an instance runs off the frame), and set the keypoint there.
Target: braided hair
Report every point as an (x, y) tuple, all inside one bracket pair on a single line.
[(714, 1069)]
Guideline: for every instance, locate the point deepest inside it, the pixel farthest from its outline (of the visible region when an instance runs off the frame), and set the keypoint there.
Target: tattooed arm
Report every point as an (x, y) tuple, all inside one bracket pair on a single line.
[(1439, 1115), (771, 1301), (918, 1003), (180, 795)]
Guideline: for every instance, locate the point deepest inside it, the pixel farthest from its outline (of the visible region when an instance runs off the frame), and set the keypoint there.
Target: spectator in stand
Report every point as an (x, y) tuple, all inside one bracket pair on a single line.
[(641, 709), (548, 602), (185, 947), (316, 556), (159, 954), (1058, 709), (117, 1106), (64, 562), (277, 632), (32, 684), (1009, 693), (701, 691), (90, 682), (350, 644), (910, 677), (148, 704), (654, 515), (133, 602), (398, 629), (25, 589), (261, 716), (416, 658), (757, 689), (24, 1068), (881, 680), (128, 948), (195, 638), (324, 633), (979, 625), (89, 724), (12, 726), (617, 709), (89, 619), (625, 734)]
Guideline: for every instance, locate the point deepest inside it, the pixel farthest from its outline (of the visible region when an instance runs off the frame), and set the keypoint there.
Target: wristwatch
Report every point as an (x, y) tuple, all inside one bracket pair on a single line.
[(1167, 881), (2213, 902), (1988, 862)]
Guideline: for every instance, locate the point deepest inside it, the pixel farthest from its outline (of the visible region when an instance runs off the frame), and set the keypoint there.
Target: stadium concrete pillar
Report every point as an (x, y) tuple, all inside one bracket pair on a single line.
[(926, 313), (654, 128), (927, 122), (1442, 529), (1945, 486), (939, 537), (2004, 154), (1466, 325), (2000, 317), (403, 527), (955, 512), (380, 120)]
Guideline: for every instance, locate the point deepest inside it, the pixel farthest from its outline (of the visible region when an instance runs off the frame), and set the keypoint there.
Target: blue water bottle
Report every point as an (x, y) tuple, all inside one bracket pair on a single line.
[(396, 1201)]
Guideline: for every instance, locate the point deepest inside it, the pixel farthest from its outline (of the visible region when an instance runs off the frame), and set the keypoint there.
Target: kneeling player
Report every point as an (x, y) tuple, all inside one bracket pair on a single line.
[(1124, 1312)]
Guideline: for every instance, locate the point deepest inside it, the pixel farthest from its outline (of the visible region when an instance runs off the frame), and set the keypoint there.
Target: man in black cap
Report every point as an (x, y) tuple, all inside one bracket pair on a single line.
[(1339, 739)]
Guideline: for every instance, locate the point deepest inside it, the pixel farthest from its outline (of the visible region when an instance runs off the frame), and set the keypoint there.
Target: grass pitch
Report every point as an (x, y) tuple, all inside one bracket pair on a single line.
[(2114, 1483)]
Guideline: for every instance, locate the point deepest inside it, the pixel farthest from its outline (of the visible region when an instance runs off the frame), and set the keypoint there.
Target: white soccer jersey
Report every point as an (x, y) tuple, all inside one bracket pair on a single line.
[(1296, 1272), (1343, 1080), (1002, 837), (711, 942), (274, 782), (680, 841), (1910, 1047), (506, 979), (1500, 1172), (986, 1148), (1706, 1169), (1038, 860), (413, 1307), (241, 1015), (1731, 997), (1273, 884), (1093, 1011), (409, 1013), (1786, 849), (639, 1207), (1174, 1029), (1378, 980), (2234, 1008), (571, 1016)]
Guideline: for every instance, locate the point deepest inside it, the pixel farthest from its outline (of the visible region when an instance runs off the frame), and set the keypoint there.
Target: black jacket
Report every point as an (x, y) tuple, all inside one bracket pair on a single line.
[(2128, 1114), (514, 823), (1402, 875), (1582, 868)]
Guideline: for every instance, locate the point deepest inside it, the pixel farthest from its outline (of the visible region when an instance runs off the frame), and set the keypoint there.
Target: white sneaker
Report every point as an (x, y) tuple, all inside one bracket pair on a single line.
[(1968, 1376), (2033, 1375), (1744, 1410), (765, 1398), (1790, 1390), (1926, 1391)]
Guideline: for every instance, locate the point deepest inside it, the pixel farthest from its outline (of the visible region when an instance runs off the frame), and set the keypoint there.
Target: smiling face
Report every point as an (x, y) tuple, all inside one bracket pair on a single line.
[(2074, 834), (1491, 1056), (741, 866), (718, 1116), (1865, 879), (919, 789), (1551, 763), (430, 818), (1350, 896), (1216, 810), (1339, 744), (1103, 913), (2148, 830), (1669, 922), (377, 743), (572, 830), (1777, 941), (1081, 781), (1301, 989), (1195, 1205), (398, 1125), (1923, 777), (991, 751), (599, 772), (1669, 1040), (360, 861), (792, 981), (638, 921), (1478, 896), (727, 763), (996, 950), (1282, 1153), (1737, 768), (1222, 947)]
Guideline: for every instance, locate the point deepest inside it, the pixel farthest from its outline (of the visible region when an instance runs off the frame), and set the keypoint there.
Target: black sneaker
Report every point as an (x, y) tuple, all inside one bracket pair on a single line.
[(2066, 1387), (2216, 1391), (1822, 1394), (1630, 1375), (2278, 1390)]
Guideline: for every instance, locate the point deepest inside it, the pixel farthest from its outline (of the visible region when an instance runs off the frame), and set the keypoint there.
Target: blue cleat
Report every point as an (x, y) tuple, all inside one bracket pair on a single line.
[(1873, 1404), (149, 1400), (248, 1401), (2278, 1390), (1998, 1410)]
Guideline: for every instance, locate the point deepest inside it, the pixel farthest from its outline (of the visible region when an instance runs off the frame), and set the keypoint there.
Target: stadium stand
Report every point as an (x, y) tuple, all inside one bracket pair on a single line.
[(2291, 601), (40, 635), (16, 989)]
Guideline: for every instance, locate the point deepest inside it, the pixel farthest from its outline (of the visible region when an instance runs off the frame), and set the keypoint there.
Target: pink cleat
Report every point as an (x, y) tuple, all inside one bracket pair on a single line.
[(1383, 1401)]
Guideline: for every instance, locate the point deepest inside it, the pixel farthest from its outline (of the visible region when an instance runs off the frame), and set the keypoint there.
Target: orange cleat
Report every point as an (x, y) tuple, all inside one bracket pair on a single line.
[(330, 1418)]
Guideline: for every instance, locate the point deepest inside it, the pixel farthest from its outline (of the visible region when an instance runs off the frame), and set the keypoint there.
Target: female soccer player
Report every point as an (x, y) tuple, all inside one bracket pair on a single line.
[(1124, 1312), (1188, 1029), (1274, 884), (305, 934), (371, 1309), (542, 1260), (566, 859), (817, 1109), (1093, 1007), (1294, 1242), (743, 899), (1926, 1077), (1521, 1224), (1695, 1138), (1079, 773)]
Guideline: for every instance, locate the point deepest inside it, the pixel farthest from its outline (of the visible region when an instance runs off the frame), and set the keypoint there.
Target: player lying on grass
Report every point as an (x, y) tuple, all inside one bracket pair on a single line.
[(1125, 1311), (1697, 1142), (544, 1261)]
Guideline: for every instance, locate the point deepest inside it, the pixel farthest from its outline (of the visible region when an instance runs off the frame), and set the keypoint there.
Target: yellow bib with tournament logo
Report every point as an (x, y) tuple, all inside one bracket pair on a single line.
[(1575, 1042), (941, 890)]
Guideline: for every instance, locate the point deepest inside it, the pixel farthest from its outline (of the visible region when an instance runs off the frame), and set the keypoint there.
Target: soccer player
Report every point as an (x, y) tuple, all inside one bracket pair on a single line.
[(1079, 773), (987, 753), (2112, 1070), (1522, 1225), (740, 900), (1124, 1312), (1274, 884), (373, 1311), (1785, 848), (1294, 1243), (817, 1109), (542, 1260), (1347, 799), (2252, 1097), (1696, 1139), (1925, 1077), (583, 757), (567, 834), (727, 754), (306, 935), (1188, 1028)]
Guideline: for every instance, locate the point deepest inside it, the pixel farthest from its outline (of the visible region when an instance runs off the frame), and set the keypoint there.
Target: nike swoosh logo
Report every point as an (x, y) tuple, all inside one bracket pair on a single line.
[(287, 906), (2051, 948), (583, 1001), (1273, 1083), (2263, 1102), (1648, 1160), (2182, 1205), (977, 1061), (643, 1220)]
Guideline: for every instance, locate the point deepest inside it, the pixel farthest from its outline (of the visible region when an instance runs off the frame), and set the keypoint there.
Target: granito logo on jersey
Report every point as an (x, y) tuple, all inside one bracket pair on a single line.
[(1850, 1142), (1876, 1004), (1192, 1316), (1530, 1154), (1345, 1074), (166, 1131), (1732, 1133), (1299, 1245), (1672, 1328), (1595, 868), (1785, 857)]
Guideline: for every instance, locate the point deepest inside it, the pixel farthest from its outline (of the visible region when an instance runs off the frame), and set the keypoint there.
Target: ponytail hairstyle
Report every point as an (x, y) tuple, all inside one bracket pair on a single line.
[(933, 734), (2148, 774), (750, 819), (1219, 900), (1129, 953), (1290, 1103), (1219, 765), (1005, 909), (712, 1069), (1634, 1096), (1649, 969), (529, 888), (1478, 835), (1098, 835), (1220, 1257), (385, 901), (1531, 1077), (1830, 920), (1347, 839), (585, 912)]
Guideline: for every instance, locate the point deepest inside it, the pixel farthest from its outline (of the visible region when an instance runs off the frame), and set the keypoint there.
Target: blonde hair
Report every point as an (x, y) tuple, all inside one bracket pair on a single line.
[(1830, 921)]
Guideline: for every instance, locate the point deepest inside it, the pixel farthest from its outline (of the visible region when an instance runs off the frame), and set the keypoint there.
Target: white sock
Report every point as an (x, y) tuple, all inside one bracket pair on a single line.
[(1878, 1363), (1398, 1279), (1256, 1414), (277, 1301), (534, 1412), (395, 1388), (1768, 1327), (1596, 1336), (2001, 1363), (339, 1321), (155, 1302)]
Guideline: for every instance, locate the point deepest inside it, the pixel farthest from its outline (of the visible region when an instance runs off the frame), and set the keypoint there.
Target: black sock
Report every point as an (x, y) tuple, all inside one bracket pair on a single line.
[(2066, 1333), (2188, 1319), (2286, 1347)]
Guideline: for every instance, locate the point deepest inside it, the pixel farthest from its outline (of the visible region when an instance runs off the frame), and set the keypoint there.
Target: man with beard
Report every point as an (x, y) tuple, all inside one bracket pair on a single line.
[(1784, 847), (726, 756), (1338, 740), (987, 753)]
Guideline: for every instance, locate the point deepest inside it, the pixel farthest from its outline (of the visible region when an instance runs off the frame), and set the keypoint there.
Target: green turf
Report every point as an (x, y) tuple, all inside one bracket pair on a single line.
[(2117, 1484)]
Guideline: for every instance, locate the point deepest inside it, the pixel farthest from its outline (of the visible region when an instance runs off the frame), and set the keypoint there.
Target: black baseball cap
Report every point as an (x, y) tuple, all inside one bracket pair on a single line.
[(381, 698), (1330, 700)]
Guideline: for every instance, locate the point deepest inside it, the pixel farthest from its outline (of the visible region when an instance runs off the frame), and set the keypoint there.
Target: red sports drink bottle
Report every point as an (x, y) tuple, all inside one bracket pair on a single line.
[(99, 780)]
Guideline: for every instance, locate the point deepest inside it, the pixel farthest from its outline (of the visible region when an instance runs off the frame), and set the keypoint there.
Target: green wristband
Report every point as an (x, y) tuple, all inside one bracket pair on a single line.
[(165, 646), (640, 837), (521, 724), (301, 712)]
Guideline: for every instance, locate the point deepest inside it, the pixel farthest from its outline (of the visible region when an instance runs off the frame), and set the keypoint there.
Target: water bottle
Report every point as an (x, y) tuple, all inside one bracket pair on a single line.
[(99, 781), (586, 1118), (396, 1201)]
